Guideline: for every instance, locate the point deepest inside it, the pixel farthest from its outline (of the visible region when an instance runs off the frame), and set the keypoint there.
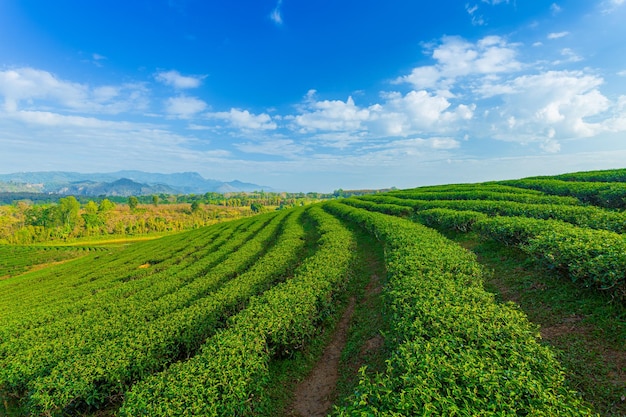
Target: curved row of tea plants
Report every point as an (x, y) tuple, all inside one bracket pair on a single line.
[(230, 374), (49, 355), (605, 175), (113, 366), (15, 260), (67, 283), (478, 194), (492, 187), (596, 258), (455, 350), (587, 216), (97, 285), (603, 194)]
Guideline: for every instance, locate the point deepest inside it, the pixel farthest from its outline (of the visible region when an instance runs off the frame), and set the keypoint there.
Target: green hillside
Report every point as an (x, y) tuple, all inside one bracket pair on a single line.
[(496, 299)]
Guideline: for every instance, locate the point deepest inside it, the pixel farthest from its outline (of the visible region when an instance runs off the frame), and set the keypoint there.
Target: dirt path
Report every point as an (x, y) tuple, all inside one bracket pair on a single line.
[(356, 335), (314, 396)]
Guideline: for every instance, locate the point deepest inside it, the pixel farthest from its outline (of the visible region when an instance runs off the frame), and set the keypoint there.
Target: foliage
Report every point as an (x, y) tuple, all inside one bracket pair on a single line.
[(603, 194), (191, 323), (596, 258), (228, 377), (26, 224), (455, 350), (133, 202), (587, 216)]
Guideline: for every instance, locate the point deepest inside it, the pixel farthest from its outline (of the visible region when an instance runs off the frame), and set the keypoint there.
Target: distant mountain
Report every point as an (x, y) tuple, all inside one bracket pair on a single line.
[(121, 188), (121, 183)]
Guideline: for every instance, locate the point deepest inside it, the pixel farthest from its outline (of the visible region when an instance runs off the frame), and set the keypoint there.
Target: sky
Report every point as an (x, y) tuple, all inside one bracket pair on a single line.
[(314, 95)]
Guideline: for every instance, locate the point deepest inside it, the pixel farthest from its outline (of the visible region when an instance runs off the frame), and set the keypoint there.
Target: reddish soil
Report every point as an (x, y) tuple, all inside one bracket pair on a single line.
[(315, 395)]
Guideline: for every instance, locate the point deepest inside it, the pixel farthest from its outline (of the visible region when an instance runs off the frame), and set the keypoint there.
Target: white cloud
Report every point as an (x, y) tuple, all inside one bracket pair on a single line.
[(50, 119), (444, 143), (550, 146), (456, 57), (423, 77), (38, 89), (334, 115), (243, 119), (555, 8), (569, 55), (555, 104), (405, 151), (397, 114), (276, 15), (557, 35), (415, 112), (184, 107), (622, 73), (175, 79), (477, 19)]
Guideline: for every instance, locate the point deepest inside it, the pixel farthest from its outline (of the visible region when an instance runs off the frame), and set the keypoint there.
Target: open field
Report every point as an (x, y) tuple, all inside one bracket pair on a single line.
[(471, 299)]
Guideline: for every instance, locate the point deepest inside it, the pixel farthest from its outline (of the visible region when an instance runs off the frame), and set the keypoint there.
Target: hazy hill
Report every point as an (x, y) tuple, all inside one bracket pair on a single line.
[(121, 183)]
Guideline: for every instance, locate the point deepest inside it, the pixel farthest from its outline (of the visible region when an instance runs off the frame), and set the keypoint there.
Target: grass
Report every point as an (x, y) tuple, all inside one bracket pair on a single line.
[(586, 328)]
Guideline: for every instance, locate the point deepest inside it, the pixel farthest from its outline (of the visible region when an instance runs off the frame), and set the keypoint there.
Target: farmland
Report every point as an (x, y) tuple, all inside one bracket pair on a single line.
[(500, 298)]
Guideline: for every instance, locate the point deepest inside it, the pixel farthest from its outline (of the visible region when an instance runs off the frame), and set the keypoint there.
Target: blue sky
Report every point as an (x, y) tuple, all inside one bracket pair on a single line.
[(314, 95)]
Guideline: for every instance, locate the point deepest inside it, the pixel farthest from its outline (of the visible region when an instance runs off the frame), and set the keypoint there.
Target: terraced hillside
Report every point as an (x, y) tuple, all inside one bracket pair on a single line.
[(219, 320)]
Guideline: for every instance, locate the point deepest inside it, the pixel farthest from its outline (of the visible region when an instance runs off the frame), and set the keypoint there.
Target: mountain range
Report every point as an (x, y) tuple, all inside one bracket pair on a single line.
[(120, 183)]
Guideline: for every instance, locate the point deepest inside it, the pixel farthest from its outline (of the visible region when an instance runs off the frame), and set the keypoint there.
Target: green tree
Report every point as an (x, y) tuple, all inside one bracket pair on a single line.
[(106, 205), (69, 211), (195, 206), (91, 207), (91, 215), (133, 202), (155, 200)]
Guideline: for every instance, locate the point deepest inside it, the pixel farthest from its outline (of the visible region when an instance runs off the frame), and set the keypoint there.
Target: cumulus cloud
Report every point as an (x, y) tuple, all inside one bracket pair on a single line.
[(554, 104), (484, 89), (397, 114), (455, 57), (333, 115), (184, 107), (243, 119), (414, 112), (174, 79)]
